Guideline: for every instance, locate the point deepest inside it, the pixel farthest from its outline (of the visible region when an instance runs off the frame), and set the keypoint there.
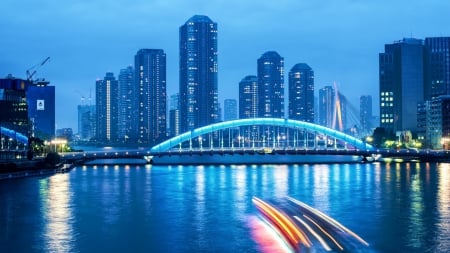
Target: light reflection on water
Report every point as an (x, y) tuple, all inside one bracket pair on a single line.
[(395, 207), (57, 214)]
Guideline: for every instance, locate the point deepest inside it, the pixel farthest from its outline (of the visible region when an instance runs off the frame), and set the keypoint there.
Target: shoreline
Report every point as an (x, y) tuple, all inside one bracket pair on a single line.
[(22, 169)]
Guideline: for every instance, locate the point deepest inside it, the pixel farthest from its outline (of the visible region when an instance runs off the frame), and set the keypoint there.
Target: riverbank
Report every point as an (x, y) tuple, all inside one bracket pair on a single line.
[(26, 168)]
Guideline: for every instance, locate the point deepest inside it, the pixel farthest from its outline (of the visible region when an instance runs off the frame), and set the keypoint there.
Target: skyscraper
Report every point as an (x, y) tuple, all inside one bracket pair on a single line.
[(326, 106), (198, 73), (248, 97), (230, 109), (41, 109), (127, 121), (401, 75), (106, 97), (437, 67), (365, 113), (271, 85), (150, 76), (301, 93)]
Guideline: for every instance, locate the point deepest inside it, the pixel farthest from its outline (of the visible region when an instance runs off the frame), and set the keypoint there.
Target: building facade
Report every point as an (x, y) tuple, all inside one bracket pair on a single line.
[(248, 97), (326, 106), (174, 115), (198, 73), (365, 113), (86, 122), (230, 109), (437, 131), (127, 108), (401, 76), (14, 107), (437, 67), (150, 65), (270, 85), (301, 93), (106, 97), (41, 110)]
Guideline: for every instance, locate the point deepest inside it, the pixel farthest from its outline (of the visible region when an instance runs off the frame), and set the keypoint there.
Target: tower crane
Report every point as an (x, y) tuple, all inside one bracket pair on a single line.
[(34, 69)]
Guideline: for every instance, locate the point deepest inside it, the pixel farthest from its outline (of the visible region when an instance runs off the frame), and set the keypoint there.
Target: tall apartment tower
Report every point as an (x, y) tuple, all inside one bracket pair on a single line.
[(230, 109), (271, 85), (248, 97), (365, 113), (127, 122), (198, 73), (106, 97), (301, 93), (401, 75), (326, 106), (150, 78), (437, 67)]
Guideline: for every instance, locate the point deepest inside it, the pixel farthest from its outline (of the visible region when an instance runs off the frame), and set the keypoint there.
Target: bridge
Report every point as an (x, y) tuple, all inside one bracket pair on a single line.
[(261, 140)]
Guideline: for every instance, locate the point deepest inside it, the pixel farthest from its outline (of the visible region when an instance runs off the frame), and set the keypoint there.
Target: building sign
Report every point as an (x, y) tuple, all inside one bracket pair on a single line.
[(40, 105)]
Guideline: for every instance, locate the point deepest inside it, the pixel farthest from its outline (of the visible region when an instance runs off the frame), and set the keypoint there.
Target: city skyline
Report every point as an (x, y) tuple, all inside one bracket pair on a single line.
[(337, 48)]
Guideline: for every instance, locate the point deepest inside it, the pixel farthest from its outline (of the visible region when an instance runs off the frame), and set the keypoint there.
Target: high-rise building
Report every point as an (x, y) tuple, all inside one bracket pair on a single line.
[(106, 97), (150, 76), (230, 109), (438, 123), (326, 106), (13, 107), (41, 109), (271, 85), (86, 122), (365, 113), (248, 97), (174, 115), (301, 93), (437, 67), (198, 73), (127, 120), (401, 75)]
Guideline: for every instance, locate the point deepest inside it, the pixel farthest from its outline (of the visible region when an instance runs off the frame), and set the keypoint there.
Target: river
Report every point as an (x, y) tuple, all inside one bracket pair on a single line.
[(395, 207)]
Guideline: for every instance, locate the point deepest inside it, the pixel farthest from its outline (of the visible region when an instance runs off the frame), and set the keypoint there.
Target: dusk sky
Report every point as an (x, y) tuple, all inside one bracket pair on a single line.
[(339, 39)]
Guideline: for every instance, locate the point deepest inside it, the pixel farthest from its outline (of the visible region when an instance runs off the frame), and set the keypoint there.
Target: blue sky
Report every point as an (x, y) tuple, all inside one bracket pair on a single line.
[(339, 39)]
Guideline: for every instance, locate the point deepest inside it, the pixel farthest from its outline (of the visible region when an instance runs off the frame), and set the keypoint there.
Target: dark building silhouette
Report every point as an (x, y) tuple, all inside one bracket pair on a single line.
[(301, 93), (271, 85), (248, 97), (198, 73), (106, 97), (150, 68)]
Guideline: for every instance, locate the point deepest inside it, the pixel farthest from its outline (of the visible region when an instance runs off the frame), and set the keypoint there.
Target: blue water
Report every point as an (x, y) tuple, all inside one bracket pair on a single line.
[(395, 207)]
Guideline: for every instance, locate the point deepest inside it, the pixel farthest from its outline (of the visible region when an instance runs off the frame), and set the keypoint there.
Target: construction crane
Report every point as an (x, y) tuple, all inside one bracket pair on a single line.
[(34, 69)]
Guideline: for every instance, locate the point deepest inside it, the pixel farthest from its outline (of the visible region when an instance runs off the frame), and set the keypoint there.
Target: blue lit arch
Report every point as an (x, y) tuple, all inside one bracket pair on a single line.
[(168, 144), (14, 135)]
